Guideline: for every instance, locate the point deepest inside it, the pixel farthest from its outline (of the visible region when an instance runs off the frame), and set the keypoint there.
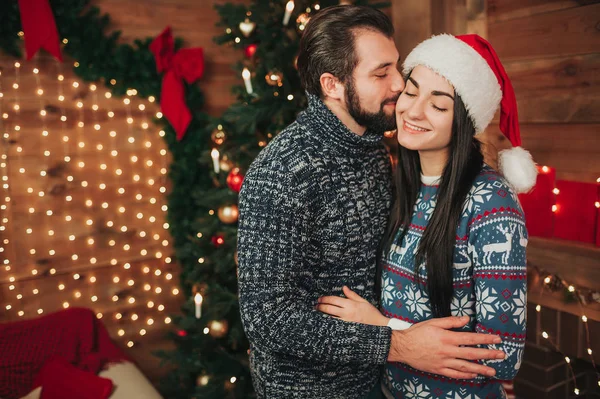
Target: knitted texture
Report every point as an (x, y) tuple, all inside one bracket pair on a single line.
[(489, 286), (313, 209)]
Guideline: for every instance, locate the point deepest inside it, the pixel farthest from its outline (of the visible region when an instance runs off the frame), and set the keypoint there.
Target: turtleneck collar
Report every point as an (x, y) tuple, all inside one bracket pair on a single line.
[(332, 132)]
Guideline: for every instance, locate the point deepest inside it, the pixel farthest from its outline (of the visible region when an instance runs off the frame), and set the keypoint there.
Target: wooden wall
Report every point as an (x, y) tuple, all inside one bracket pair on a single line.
[(78, 252), (551, 51)]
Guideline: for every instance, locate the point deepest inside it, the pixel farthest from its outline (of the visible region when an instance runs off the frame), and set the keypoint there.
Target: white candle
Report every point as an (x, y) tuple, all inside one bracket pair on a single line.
[(214, 154), (247, 82), (198, 302), (289, 7)]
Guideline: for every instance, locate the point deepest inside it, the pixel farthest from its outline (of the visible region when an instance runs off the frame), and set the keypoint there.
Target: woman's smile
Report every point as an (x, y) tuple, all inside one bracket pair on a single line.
[(413, 129)]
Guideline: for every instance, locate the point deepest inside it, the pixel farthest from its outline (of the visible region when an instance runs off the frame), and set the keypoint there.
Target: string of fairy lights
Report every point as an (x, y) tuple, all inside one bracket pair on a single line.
[(554, 280), (112, 213)]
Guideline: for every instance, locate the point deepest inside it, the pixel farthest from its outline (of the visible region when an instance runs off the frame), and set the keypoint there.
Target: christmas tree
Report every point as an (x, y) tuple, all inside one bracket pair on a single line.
[(211, 359)]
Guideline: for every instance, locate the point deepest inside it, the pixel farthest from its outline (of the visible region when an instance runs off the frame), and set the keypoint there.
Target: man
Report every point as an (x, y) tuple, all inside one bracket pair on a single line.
[(314, 206)]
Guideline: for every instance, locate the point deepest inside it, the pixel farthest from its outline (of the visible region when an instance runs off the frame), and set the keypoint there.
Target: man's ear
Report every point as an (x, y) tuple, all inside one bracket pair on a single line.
[(331, 86)]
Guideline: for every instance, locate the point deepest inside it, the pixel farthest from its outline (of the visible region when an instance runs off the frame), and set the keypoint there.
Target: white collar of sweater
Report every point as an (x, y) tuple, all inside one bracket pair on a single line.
[(430, 180)]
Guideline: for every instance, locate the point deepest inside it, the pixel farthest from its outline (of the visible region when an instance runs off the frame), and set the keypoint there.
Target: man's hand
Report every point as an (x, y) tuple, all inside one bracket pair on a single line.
[(429, 346)]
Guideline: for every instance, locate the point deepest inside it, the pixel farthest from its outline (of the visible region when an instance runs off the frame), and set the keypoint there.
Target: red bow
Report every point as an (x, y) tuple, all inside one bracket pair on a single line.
[(186, 64), (39, 28)]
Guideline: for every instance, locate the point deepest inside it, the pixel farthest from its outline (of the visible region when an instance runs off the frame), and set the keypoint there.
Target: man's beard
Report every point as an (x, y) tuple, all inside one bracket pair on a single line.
[(377, 121)]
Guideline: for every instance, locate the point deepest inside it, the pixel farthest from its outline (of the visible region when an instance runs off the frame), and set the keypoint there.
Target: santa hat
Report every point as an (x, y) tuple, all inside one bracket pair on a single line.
[(472, 66)]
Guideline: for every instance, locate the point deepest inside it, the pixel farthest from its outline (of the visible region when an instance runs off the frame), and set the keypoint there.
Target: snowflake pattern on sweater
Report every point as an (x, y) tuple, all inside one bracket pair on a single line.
[(489, 286)]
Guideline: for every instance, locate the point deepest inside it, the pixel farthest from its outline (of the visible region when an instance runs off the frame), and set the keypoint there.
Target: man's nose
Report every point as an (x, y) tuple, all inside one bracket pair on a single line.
[(398, 83)]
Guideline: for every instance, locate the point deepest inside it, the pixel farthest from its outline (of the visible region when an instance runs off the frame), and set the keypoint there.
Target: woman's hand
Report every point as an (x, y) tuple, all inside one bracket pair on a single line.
[(352, 308)]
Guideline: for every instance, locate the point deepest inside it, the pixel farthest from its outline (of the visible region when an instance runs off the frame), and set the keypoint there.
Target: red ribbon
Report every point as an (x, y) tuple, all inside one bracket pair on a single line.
[(39, 28), (185, 64)]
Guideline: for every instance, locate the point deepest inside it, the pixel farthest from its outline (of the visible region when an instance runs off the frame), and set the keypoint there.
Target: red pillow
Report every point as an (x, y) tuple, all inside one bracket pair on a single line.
[(60, 379)]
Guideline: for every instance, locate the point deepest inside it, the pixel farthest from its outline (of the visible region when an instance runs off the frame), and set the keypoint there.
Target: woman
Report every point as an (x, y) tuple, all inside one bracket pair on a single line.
[(456, 239)]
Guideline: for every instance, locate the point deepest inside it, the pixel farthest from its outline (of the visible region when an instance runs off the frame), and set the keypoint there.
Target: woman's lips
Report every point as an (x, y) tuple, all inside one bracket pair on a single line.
[(410, 128)]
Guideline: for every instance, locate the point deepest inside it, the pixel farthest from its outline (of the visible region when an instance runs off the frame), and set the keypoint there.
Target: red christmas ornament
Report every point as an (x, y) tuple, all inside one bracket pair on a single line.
[(182, 333), (250, 50), (235, 179), (218, 240)]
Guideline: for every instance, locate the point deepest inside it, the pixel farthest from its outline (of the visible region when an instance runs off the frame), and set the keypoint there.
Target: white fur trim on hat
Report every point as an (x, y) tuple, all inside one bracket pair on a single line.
[(518, 168), (466, 70)]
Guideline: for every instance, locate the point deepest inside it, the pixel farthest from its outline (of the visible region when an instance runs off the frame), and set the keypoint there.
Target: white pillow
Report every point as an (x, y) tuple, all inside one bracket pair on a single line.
[(129, 382)]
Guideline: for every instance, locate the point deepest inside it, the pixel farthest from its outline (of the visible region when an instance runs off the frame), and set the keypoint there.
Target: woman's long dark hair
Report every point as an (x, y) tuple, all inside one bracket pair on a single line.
[(439, 239)]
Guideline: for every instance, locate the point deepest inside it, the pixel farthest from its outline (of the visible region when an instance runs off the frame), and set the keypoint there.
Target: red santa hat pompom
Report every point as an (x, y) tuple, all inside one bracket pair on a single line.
[(472, 66)]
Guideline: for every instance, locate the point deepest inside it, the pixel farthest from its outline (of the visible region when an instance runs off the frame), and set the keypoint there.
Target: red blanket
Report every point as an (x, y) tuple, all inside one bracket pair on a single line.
[(74, 334)]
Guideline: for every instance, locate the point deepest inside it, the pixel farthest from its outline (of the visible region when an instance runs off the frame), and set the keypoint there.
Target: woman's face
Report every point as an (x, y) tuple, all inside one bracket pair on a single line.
[(424, 112)]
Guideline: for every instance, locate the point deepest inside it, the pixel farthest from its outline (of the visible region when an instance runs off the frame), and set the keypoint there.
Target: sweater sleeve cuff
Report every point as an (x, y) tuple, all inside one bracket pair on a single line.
[(380, 338)]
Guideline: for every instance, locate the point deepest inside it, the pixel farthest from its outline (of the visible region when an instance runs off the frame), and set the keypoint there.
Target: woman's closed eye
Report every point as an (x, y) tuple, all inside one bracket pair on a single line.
[(438, 108)]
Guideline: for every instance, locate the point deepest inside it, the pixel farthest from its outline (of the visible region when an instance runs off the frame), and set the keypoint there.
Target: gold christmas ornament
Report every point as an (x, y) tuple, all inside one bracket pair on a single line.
[(302, 20), (247, 27), (228, 214), (202, 380), (225, 165), (390, 133), (218, 328), (218, 135), (274, 78)]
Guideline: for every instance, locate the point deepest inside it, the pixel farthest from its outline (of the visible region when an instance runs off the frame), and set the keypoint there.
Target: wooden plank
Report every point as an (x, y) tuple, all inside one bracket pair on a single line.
[(570, 148), (62, 262), (477, 20), (578, 263), (555, 301), (563, 89), (50, 291), (87, 174), (56, 200), (108, 243), (412, 21), (571, 31), (501, 10)]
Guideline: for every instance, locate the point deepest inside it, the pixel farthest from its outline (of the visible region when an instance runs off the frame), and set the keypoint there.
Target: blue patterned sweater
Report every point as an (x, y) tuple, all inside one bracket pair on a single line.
[(489, 286)]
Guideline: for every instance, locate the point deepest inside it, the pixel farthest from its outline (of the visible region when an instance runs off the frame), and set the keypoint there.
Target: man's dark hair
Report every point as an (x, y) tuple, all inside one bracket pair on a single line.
[(327, 44)]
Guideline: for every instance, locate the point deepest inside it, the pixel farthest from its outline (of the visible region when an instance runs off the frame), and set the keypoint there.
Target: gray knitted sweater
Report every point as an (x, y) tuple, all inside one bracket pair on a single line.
[(313, 208)]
